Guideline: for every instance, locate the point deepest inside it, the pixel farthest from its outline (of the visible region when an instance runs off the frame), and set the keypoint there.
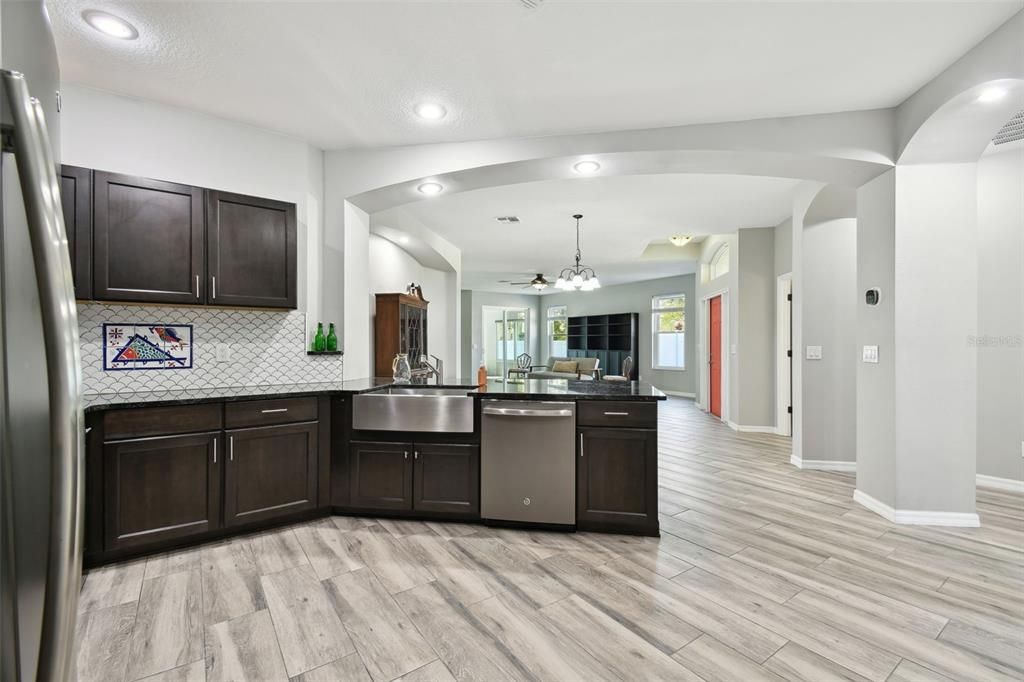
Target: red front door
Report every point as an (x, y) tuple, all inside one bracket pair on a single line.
[(715, 356)]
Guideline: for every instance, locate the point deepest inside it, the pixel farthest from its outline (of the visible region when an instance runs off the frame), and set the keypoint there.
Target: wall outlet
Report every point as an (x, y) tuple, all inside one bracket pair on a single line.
[(871, 354), (223, 352), (814, 352)]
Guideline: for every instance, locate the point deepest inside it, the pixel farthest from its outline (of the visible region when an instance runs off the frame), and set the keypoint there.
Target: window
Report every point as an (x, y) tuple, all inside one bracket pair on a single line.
[(719, 264), (558, 331), (668, 331)]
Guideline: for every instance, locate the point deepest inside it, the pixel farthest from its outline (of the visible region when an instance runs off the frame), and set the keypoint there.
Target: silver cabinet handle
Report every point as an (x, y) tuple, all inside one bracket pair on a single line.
[(231, 448), (274, 411), (41, 194), (197, 286), (519, 412), (616, 414), (415, 454), (214, 282), (215, 450), (581, 445), (405, 455)]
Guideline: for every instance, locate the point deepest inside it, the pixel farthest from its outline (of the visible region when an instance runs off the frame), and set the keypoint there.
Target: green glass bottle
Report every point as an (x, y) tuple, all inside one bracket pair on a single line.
[(318, 341), (332, 339)]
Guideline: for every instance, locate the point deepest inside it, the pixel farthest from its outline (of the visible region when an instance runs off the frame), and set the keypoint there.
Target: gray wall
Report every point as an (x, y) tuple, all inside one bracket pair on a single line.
[(1001, 314), (636, 298), (784, 247), (755, 324), (830, 307), (472, 326), (876, 325)]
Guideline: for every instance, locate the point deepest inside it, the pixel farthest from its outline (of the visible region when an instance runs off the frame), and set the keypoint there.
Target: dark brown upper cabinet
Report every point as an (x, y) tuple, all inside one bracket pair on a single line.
[(251, 251), (76, 202), (147, 240)]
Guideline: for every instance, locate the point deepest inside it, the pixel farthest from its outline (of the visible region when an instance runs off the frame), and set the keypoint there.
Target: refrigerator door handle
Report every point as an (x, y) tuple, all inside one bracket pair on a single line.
[(41, 193)]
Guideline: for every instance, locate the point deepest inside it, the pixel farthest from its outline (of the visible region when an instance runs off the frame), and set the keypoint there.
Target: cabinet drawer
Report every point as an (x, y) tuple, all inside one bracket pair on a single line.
[(267, 412), (637, 415), (157, 421)]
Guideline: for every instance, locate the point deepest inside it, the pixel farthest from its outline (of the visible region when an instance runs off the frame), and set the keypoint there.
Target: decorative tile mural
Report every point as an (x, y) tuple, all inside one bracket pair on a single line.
[(266, 348), (147, 346)]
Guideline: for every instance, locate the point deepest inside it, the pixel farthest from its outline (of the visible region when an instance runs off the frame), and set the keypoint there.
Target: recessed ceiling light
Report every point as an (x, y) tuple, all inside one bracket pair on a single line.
[(430, 188), (992, 95), (108, 24), (587, 167), (430, 111), (680, 240)]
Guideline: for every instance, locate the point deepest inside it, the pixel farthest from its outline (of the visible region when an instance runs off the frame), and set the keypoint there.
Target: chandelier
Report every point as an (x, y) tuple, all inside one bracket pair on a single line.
[(578, 277)]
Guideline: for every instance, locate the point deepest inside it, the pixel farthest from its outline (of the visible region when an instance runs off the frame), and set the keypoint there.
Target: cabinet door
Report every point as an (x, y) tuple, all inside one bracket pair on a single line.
[(616, 479), (161, 488), (76, 202), (270, 471), (147, 240), (381, 475), (446, 478), (250, 250)]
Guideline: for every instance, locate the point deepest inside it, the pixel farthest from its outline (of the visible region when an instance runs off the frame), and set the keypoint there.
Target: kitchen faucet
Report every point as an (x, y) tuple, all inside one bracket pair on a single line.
[(436, 370)]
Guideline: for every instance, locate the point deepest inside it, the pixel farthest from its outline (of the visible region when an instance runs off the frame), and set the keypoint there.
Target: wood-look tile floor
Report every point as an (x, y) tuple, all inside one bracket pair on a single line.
[(763, 572)]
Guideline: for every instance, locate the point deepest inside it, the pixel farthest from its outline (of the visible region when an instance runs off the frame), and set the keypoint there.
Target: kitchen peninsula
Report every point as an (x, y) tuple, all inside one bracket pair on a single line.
[(177, 467)]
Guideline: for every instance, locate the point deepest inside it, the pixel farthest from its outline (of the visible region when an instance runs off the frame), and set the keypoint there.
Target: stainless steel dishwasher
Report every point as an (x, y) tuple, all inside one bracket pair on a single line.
[(528, 462)]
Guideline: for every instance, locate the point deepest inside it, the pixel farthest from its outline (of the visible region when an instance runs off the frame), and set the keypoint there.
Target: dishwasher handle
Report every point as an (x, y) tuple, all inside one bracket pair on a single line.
[(526, 412)]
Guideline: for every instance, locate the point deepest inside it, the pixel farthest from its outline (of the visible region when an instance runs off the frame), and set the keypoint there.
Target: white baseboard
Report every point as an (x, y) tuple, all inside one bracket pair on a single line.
[(912, 517), (1009, 485), (679, 394), (822, 464), (750, 429)]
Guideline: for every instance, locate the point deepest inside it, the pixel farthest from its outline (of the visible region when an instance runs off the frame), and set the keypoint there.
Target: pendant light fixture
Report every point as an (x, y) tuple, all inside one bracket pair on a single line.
[(578, 277)]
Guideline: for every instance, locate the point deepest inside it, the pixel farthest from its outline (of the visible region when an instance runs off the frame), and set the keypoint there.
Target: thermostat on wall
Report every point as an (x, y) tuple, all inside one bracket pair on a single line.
[(872, 296)]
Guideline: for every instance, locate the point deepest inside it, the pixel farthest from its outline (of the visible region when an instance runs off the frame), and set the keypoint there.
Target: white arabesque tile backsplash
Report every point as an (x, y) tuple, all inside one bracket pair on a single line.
[(267, 348)]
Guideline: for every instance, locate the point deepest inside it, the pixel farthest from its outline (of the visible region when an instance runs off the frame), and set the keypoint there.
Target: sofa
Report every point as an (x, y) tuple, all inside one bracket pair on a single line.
[(566, 368)]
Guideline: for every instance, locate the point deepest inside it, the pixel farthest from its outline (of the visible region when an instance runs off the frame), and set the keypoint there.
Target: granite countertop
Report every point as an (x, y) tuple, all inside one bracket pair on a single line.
[(524, 389), (564, 389)]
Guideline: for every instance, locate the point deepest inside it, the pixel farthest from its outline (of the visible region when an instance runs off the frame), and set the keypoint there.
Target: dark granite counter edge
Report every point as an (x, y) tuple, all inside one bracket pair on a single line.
[(124, 401)]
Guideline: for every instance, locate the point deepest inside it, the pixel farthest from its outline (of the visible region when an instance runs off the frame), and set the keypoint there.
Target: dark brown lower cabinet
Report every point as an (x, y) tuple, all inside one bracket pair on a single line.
[(616, 480), (161, 488), (446, 478), (270, 471), (381, 475)]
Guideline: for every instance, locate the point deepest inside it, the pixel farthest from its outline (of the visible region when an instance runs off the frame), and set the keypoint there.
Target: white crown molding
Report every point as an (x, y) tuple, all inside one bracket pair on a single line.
[(916, 518), (822, 464), (1010, 485)]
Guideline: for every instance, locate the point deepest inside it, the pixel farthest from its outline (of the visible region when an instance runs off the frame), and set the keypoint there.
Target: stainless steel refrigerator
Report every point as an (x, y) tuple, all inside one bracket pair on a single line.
[(41, 460)]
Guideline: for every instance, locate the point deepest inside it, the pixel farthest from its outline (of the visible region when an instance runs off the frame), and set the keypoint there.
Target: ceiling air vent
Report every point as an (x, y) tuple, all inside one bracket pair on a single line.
[(507, 219), (531, 4), (1012, 131)]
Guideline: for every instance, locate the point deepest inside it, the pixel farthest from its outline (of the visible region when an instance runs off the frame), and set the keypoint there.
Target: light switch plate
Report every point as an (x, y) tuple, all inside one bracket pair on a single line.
[(223, 352), (814, 352), (871, 354)]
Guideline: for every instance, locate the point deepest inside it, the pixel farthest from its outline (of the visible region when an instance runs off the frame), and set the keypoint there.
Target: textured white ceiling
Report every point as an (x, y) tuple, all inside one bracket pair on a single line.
[(347, 73), (622, 215)]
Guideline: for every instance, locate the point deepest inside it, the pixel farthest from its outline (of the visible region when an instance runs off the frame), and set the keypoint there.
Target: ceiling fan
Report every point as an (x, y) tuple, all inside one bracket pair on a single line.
[(537, 283)]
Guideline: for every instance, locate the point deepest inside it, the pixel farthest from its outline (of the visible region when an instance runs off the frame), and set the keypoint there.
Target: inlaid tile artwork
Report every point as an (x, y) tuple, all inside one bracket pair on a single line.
[(132, 346), (267, 348)]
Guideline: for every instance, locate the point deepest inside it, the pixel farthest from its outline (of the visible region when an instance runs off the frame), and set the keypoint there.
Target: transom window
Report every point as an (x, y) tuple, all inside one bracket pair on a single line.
[(558, 331), (719, 264), (668, 331)]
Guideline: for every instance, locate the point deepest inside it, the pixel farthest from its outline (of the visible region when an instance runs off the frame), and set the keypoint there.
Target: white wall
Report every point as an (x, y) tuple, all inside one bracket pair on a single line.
[(391, 268), (1001, 313), (784, 247), (636, 298), (473, 303), (113, 133), (829, 387)]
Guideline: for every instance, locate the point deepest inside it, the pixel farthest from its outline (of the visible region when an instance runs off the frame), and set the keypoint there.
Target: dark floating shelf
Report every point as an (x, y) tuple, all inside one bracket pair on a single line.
[(325, 352)]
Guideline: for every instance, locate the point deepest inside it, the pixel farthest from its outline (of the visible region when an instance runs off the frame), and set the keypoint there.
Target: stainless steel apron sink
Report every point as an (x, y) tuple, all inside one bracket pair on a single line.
[(414, 408)]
